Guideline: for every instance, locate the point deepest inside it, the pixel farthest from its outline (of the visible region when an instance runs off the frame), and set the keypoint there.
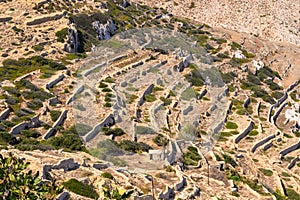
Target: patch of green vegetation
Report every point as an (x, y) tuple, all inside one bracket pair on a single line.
[(228, 77), (17, 182), (107, 175), (237, 62), (266, 172), (13, 69), (106, 90), (130, 98), (113, 131), (131, 146), (292, 195), (277, 95), (188, 94), (229, 160), (160, 140), (231, 125), (150, 97), (293, 96), (235, 46), (81, 188), (54, 114), (166, 101), (247, 54), (285, 174), (253, 133), (72, 56), (141, 130), (30, 133), (62, 35), (254, 185), (109, 80), (253, 79), (157, 88), (195, 77), (191, 157), (272, 85), (38, 48)]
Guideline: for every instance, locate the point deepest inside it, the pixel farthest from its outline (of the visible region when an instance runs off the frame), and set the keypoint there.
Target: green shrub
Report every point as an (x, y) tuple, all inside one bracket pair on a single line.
[(106, 90), (18, 183), (229, 160), (31, 133), (132, 146), (54, 114), (81, 188), (72, 56), (103, 85), (191, 157), (62, 35), (231, 125), (266, 172), (113, 131), (15, 68), (150, 97), (292, 195), (277, 95), (107, 175), (141, 130), (160, 140), (35, 104), (253, 133), (69, 142), (38, 48)]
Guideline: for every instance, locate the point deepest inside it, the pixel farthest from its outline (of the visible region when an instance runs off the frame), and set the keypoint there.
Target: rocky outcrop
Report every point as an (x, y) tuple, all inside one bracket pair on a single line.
[(19, 127), (55, 81), (276, 115), (74, 42), (247, 102), (104, 31), (181, 184), (66, 164), (33, 123), (63, 196), (59, 121), (79, 90), (46, 19), (89, 71), (244, 133), (289, 149), (168, 194), (147, 91), (187, 110), (293, 163), (262, 142), (5, 19), (5, 114), (144, 197), (100, 166), (107, 122)]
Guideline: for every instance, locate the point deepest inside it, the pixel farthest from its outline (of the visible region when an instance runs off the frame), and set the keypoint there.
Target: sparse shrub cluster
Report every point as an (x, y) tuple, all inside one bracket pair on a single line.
[(191, 157), (81, 188)]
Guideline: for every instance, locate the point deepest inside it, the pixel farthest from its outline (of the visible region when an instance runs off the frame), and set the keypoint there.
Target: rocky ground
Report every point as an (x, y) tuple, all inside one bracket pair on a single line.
[(256, 155), (267, 19)]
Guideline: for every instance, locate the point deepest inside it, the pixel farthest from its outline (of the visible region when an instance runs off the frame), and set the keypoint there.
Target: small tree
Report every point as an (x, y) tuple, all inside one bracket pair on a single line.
[(15, 183)]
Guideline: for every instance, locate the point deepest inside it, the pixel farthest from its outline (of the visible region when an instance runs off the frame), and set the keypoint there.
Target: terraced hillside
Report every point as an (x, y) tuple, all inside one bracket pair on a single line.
[(127, 98)]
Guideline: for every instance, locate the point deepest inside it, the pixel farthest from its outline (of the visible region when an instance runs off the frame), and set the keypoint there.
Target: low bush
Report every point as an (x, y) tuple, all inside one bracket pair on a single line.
[(132, 146), (266, 172), (107, 175), (231, 125), (160, 140), (81, 188), (54, 114)]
